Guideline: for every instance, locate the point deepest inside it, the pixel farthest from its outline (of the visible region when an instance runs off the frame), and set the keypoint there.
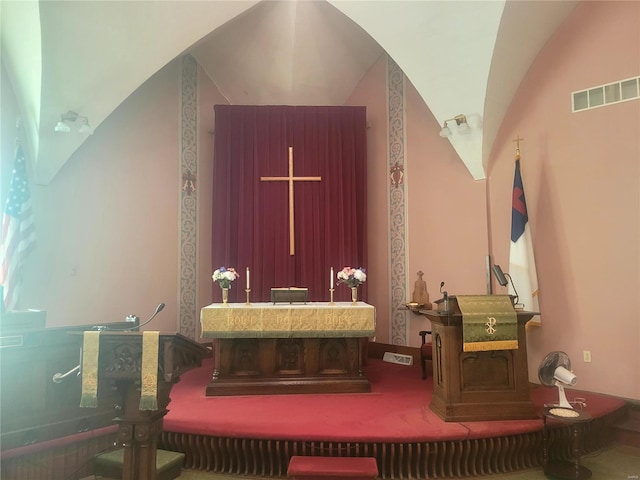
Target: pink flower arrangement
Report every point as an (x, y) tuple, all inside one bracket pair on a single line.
[(352, 276), (224, 276)]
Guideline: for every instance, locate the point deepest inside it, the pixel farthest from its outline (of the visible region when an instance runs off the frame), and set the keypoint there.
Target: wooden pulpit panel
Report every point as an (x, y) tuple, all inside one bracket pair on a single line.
[(34, 408), (477, 386)]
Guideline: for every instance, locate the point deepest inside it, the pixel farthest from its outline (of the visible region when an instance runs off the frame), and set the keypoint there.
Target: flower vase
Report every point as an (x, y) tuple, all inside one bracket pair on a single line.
[(225, 296), (354, 295)]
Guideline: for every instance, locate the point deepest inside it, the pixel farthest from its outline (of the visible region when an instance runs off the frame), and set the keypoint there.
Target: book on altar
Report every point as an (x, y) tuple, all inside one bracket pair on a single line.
[(289, 295)]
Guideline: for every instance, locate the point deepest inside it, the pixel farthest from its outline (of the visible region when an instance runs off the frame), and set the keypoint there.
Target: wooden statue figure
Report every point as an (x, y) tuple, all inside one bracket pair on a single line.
[(420, 293)]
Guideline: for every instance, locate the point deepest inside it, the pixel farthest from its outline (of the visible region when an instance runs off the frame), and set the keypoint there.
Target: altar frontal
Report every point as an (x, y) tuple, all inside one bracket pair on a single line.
[(489, 322), (266, 320)]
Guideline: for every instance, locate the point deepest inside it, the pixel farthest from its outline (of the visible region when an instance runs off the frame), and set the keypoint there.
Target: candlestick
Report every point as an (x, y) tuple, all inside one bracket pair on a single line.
[(248, 292), (331, 290), (331, 277), (247, 278)]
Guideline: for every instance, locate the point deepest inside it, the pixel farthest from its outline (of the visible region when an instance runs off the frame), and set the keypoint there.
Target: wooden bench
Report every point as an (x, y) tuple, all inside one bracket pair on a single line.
[(321, 468)]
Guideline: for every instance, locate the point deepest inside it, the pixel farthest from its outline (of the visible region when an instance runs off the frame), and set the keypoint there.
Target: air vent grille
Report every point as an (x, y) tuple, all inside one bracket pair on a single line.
[(398, 358), (602, 95)]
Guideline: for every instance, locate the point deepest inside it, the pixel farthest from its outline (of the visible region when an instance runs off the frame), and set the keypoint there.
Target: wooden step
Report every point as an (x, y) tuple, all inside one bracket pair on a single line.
[(109, 465)]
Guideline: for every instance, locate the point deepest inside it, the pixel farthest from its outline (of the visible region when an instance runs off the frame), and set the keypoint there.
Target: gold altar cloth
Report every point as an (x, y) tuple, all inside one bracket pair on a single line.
[(489, 322), (90, 354), (266, 320)]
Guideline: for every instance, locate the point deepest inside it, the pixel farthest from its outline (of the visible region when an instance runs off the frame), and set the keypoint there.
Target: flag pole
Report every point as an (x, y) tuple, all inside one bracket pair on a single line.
[(522, 267)]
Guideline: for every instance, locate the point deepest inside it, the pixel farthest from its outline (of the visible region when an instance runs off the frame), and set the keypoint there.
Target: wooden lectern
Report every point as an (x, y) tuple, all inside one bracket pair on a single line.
[(477, 386), (119, 366)]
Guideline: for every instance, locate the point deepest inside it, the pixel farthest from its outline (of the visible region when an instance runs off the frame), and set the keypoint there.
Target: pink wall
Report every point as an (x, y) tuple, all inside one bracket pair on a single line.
[(436, 183), (107, 226), (447, 213), (582, 182), (372, 93)]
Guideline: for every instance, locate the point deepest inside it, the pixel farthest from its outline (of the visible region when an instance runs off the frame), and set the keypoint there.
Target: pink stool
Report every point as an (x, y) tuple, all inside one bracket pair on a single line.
[(322, 468)]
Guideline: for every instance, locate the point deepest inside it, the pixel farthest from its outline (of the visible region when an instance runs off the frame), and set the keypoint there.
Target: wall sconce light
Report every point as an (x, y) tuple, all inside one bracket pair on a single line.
[(84, 126), (461, 122), (66, 119)]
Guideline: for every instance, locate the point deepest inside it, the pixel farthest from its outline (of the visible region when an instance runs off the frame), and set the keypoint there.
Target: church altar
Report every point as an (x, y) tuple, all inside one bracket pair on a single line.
[(262, 348)]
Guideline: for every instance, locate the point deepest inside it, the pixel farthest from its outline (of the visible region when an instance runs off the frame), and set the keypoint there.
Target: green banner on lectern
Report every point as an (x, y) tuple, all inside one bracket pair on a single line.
[(489, 322)]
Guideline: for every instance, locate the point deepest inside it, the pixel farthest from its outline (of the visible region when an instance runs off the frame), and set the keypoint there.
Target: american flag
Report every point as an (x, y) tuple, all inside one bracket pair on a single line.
[(18, 234)]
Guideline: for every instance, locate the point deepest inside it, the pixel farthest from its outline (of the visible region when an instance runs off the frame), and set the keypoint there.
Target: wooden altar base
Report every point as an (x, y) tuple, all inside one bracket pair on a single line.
[(271, 366), (277, 386)]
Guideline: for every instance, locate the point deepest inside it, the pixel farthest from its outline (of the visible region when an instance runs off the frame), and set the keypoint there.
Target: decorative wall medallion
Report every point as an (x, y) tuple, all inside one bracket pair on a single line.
[(397, 175)]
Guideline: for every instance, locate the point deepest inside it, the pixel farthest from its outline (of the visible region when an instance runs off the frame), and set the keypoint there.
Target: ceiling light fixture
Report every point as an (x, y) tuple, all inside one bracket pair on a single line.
[(71, 117), (85, 127), (461, 122)]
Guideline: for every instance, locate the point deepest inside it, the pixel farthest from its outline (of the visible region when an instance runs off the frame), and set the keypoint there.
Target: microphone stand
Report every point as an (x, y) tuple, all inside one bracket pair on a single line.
[(445, 296), (158, 310), (515, 300)]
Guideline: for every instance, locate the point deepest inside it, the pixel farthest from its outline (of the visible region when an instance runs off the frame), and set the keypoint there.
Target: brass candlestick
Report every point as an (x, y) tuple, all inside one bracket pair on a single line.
[(248, 290), (331, 290)]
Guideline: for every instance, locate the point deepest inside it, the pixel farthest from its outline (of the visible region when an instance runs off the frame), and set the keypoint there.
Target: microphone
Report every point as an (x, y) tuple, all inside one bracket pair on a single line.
[(158, 310), (444, 294), (128, 329)]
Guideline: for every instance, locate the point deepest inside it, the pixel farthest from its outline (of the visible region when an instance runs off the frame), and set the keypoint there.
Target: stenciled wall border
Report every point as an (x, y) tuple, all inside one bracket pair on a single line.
[(397, 202), (187, 308)]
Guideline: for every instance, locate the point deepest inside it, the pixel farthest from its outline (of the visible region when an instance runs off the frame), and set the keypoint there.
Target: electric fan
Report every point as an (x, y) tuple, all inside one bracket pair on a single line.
[(555, 369)]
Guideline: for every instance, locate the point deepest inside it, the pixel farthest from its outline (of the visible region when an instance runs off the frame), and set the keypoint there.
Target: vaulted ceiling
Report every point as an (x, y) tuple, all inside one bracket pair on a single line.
[(463, 57)]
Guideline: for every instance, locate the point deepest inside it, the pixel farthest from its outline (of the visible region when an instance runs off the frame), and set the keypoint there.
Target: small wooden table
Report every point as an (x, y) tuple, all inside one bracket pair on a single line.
[(562, 469), (262, 348)]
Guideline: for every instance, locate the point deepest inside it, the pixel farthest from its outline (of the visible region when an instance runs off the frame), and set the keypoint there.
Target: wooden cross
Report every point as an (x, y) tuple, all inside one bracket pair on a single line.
[(518, 140), (291, 179)]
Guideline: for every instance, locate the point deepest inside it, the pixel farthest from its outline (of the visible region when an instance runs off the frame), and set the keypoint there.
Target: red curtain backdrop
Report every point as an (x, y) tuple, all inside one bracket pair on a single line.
[(251, 217)]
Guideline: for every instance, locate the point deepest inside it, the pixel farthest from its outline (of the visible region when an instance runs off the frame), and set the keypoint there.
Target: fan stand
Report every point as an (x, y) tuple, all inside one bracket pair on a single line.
[(562, 398)]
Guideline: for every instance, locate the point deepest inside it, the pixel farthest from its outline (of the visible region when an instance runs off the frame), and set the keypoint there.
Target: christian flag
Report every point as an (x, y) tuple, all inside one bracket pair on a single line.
[(522, 264), (18, 235)]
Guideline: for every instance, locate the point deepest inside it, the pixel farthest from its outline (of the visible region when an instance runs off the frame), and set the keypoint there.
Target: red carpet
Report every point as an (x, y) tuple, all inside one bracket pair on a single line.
[(396, 410)]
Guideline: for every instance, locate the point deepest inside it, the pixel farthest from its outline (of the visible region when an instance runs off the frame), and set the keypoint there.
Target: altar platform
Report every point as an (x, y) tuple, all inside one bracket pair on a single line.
[(255, 435)]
